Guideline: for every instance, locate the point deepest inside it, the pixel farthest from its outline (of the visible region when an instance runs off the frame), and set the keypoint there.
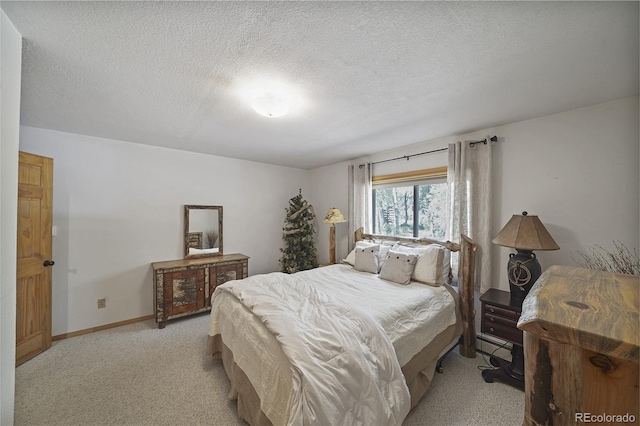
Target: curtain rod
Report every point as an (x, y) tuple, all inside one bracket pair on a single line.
[(407, 157), (483, 141)]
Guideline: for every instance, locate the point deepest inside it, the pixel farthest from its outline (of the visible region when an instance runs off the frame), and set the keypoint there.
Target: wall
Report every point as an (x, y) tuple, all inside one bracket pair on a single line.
[(329, 189), (11, 59), (118, 207), (577, 170)]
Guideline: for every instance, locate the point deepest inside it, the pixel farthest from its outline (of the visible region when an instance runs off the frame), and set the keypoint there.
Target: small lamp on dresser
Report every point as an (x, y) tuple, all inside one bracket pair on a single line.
[(524, 233), (333, 216)]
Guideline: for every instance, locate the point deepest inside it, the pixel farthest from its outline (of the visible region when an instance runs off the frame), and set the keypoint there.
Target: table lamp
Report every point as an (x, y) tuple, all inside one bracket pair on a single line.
[(524, 233), (333, 216)]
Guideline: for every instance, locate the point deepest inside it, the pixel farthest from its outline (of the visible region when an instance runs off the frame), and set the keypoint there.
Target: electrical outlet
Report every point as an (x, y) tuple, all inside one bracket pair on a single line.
[(102, 303)]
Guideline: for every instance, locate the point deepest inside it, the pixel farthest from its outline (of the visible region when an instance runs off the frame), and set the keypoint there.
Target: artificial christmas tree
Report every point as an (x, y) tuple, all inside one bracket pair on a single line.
[(299, 252)]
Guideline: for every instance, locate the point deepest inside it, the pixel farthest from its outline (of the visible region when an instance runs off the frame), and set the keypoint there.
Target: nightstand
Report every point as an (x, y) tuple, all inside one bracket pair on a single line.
[(500, 316)]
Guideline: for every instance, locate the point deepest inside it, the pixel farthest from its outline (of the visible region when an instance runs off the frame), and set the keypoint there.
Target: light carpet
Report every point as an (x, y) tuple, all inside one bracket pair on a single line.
[(140, 375)]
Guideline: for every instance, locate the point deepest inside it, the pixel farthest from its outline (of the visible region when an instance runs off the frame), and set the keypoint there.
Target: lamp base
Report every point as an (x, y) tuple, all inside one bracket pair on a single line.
[(332, 244), (523, 270), (510, 373)]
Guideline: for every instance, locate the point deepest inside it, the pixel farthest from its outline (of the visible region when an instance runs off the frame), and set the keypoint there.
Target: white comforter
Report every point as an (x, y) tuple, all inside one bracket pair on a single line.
[(338, 328)]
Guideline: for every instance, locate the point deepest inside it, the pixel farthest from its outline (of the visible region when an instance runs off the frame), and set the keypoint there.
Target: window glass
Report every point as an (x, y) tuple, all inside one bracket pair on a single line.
[(393, 211), (433, 211), (396, 207)]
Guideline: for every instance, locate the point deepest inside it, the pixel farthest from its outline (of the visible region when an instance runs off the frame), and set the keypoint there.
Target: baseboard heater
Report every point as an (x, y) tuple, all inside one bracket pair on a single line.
[(500, 344)]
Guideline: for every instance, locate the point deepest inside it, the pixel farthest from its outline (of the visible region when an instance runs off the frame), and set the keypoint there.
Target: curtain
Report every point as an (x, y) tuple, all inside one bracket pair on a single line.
[(359, 200), (469, 206)]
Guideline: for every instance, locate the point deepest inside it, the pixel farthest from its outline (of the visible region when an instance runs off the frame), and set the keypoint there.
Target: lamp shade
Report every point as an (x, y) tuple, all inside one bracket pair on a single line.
[(525, 232), (334, 216)]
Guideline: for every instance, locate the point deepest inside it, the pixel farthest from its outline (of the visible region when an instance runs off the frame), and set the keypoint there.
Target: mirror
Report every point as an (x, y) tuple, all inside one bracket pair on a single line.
[(202, 231)]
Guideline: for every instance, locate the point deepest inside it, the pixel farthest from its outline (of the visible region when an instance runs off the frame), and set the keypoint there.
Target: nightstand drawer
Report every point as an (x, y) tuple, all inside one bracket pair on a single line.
[(501, 311), (509, 322), (505, 332)]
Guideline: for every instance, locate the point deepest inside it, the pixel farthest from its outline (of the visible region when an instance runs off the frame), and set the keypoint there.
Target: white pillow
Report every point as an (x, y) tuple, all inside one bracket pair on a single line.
[(382, 253), (429, 267), (446, 266), (367, 259), (398, 267), (351, 257)]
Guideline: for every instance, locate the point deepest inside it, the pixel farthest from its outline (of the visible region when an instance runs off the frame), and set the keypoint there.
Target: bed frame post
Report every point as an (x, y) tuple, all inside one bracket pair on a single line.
[(466, 274), (358, 234)]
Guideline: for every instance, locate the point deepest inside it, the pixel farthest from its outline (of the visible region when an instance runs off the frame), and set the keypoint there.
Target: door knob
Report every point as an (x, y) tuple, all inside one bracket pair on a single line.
[(48, 263)]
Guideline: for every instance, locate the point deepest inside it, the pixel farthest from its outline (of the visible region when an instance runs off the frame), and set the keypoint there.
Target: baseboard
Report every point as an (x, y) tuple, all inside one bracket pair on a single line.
[(101, 327)]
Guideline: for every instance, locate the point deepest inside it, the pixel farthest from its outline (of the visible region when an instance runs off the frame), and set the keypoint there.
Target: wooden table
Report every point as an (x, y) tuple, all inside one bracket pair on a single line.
[(581, 344)]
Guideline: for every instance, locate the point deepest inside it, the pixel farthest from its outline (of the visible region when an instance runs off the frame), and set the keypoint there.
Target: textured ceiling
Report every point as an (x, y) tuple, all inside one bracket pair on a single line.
[(370, 76)]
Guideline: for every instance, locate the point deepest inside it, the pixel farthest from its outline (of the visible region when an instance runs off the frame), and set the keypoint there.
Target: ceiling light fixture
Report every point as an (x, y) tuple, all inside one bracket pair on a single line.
[(271, 105)]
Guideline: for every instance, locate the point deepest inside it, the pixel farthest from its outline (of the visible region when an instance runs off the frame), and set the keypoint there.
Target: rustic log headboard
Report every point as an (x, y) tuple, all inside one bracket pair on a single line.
[(466, 272)]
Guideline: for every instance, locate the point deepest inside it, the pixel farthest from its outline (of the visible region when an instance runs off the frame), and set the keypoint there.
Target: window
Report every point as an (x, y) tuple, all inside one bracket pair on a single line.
[(411, 204)]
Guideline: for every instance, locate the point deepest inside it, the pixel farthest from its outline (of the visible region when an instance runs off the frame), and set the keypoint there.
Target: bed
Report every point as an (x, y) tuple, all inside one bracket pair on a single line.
[(351, 343)]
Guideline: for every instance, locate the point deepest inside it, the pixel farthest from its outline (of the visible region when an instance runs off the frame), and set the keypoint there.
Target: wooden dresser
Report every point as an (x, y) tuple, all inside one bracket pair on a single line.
[(184, 287), (581, 345)]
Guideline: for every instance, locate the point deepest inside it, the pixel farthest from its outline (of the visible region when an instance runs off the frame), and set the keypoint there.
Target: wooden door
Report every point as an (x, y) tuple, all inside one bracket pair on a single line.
[(33, 310)]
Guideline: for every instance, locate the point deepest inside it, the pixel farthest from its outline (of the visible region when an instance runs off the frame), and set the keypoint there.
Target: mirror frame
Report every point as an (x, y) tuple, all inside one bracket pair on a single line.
[(188, 208)]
